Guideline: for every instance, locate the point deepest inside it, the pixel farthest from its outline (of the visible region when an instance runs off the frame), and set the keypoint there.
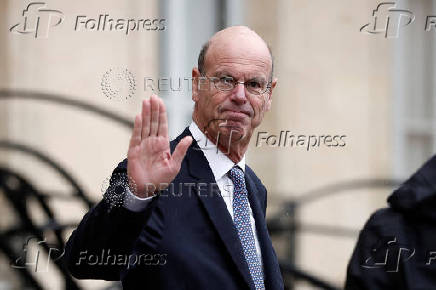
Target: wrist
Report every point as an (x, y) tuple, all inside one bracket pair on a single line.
[(148, 190)]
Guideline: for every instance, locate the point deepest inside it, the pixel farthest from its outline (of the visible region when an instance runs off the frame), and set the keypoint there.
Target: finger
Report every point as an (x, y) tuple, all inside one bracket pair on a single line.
[(136, 133), (163, 122), (146, 115), (154, 125), (180, 150)]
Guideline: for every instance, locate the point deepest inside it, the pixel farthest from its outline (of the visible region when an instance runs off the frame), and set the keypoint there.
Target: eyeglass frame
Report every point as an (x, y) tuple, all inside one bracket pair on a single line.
[(234, 84)]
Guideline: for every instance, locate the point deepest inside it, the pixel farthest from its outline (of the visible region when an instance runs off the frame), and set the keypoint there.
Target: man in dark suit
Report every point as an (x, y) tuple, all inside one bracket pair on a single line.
[(193, 214)]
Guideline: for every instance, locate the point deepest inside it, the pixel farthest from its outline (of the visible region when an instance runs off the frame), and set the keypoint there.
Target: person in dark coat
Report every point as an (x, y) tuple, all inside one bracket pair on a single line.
[(397, 246), (190, 214)]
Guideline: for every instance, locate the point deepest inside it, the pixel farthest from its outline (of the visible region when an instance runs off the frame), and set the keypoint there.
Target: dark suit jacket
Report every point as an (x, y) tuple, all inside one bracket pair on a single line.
[(186, 236), (397, 246)]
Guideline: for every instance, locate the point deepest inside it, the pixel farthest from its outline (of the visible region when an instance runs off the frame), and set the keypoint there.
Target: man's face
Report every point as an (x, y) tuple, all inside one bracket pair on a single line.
[(237, 111)]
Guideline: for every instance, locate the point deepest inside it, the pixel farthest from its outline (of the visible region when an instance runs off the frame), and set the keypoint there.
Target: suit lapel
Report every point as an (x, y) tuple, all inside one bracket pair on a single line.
[(270, 265), (216, 208)]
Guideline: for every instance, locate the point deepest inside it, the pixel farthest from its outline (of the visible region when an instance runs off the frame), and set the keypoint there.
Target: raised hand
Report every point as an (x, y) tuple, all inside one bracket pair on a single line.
[(150, 163)]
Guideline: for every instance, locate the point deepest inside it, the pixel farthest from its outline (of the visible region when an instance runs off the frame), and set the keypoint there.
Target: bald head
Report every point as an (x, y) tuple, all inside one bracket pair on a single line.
[(241, 40), (232, 56)]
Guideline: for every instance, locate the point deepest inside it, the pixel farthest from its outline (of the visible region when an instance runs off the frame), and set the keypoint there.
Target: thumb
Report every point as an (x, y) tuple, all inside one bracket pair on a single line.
[(181, 148)]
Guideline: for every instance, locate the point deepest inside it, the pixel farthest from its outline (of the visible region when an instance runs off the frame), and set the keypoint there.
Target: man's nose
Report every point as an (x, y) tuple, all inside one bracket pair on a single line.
[(239, 94)]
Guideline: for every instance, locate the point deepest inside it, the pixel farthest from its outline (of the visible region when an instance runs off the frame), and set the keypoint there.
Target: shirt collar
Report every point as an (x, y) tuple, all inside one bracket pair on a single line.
[(219, 162)]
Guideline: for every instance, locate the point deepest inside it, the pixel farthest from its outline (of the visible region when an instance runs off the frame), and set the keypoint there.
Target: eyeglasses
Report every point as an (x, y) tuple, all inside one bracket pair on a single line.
[(227, 83)]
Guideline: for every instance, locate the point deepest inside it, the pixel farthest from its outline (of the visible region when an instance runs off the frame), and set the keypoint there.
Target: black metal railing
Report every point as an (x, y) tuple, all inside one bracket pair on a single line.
[(287, 222), (22, 196)]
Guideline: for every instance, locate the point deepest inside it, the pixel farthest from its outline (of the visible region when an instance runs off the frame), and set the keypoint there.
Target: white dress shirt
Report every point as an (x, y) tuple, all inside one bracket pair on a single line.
[(220, 164)]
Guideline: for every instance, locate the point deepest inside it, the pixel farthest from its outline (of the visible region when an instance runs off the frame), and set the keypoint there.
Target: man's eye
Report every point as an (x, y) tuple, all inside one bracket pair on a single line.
[(255, 84), (226, 80)]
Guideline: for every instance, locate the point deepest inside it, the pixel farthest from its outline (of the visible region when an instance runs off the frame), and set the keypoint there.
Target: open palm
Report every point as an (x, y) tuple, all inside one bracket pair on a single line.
[(150, 163)]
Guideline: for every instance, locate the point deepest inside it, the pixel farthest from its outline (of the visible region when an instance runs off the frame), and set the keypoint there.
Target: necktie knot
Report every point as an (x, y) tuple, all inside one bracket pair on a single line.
[(237, 176)]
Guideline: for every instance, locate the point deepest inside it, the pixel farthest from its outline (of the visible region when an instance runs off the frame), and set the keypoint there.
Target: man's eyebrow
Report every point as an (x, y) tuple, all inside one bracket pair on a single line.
[(223, 72), (257, 78), (252, 78)]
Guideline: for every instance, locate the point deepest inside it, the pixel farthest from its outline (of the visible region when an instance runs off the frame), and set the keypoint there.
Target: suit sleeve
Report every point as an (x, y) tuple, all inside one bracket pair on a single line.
[(363, 272), (100, 246)]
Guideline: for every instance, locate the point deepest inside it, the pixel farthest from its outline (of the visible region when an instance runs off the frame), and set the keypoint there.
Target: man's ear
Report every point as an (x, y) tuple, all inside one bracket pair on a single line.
[(195, 75), (269, 100)]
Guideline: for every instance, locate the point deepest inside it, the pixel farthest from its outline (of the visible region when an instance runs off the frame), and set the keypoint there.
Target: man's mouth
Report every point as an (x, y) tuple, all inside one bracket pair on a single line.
[(236, 115)]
